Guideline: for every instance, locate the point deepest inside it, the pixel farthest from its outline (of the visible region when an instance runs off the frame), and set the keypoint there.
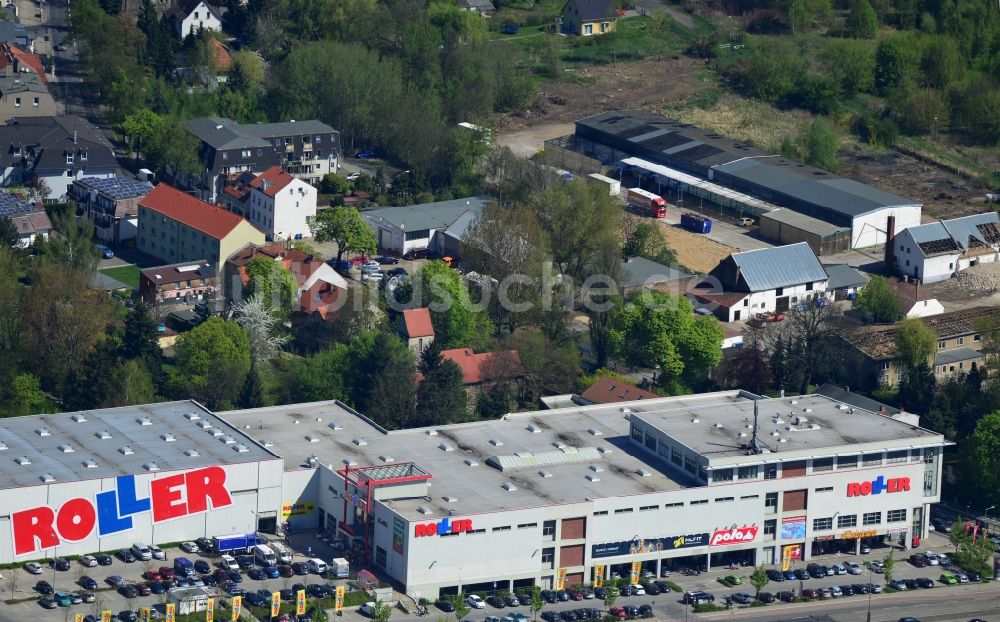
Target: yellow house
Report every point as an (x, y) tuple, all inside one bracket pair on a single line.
[(177, 227), (588, 17)]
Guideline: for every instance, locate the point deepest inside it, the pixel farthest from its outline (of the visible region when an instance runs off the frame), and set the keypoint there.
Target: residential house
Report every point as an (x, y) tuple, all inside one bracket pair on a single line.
[(765, 280), (475, 367), (844, 281), (959, 347), (55, 150), (319, 289), (939, 250), (421, 227), (482, 7), (193, 16), (13, 31), (24, 87), (29, 218), (176, 227), (914, 299), (222, 55), (306, 149), (588, 17), (607, 390), (111, 204), (274, 201), (416, 329), (644, 275), (181, 284)]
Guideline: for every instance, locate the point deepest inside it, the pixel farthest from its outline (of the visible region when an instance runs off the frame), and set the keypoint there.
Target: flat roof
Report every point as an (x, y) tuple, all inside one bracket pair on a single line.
[(97, 437), (803, 222), (465, 459), (436, 215)]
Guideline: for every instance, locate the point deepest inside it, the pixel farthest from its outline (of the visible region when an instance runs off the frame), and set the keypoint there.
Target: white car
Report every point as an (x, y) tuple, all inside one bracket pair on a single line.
[(367, 609), (373, 275), (876, 567), (838, 569), (638, 590), (88, 560), (944, 559), (157, 552), (932, 558), (353, 176), (853, 567), (475, 602), (189, 547), (32, 568)]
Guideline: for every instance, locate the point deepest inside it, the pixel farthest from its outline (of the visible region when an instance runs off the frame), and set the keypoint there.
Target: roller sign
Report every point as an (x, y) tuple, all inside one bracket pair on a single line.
[(111, 511)]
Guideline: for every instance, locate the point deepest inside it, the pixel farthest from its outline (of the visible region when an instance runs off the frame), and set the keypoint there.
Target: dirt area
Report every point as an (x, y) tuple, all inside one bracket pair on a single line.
[(695, 252), (978, 285)]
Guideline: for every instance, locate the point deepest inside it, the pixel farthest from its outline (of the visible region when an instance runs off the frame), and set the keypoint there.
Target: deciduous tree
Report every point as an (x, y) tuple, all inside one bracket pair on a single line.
[(878, 299), (441, 396), (821, 146), (862, 23), (915, 342), (212, 361), (346, 227), (981, 460)]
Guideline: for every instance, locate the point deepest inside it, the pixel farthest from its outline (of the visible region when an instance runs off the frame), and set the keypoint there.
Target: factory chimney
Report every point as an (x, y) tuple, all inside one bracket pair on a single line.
[(890, 235)]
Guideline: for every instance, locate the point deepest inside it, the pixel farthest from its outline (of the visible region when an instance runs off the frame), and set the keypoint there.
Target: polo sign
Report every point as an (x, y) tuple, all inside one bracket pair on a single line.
[(877, 486), (443, 527), (111, 511), (736, 535)]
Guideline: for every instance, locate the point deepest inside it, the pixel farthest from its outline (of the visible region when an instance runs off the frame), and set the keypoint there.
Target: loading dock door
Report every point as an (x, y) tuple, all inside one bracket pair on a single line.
[(781, 304)]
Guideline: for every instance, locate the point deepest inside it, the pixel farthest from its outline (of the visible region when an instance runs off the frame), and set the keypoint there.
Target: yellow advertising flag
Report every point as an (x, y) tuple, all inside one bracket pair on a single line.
[(237, 607), (300, 602), (106, 616), (599, 576), (339, 601), (171, 612), (275, 604), (144, 614), (636, 569), (561, 579), (210, 610), (78, 617)]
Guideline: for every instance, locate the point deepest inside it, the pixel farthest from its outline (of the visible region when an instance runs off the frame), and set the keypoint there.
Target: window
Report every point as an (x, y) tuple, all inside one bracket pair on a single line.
[(850, 520), (872, 518), (871, 460), (749, 472), (724, 499), (977, 338), (961, 340), (700, 502), (746, 302), (884, 365), (822, 524), (722, 475), (623, 511), (690, 466), (17, 102), (548, 556), (895, 516), (637, 434), (601, 513), (749, 497), (771, 502), (646, 508), (419, 234), (771, 471), (676, 457), (673, 505), (549, 528), (779, 291), (895, 457), (809, 287), (822, 464), (942, 344), (527, 525), (770, 527), (474, 531), (847, 462), (34, 102), (650, 442), (196, 15), (504, 528), (825, 489), (244, 153), (225, 155)]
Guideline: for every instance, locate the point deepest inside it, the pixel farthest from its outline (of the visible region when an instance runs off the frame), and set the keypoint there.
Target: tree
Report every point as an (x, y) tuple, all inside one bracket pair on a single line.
[(457, 322), (544, 366), (537, 602), (915, 343), (978, 554), (862, 23), (441, 396), (13, 578), (759, 578), (259, 323), (807, 339), (212, 361), (980, 459), (174, 150), (72, 246), (916, 389), (642, 238), (346, 227), (888, 565), (252, 393), (9, 235), (381, 379), (247, 71), (140, 128), (895, 62), (272, 284), (821, 146), (381, 612), (957, 535), (878, 299), (461, 607), (611, 594), (321, 376), (24, 395), (749, 368), (140, 337)]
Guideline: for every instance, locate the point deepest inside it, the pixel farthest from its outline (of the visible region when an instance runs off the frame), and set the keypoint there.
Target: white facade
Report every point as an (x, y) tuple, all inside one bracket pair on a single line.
[(60, 184), (282, 216), (201, 17), (870, 229), (924, 308), (912, 261), (767, 301)]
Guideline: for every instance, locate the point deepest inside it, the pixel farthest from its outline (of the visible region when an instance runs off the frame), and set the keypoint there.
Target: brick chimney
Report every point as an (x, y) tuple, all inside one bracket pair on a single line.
[(890, 237)]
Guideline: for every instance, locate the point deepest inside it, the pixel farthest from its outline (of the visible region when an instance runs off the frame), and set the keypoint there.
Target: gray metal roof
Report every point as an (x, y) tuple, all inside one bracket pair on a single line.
[(462, 224), (439, 215), (961, 229), (781, 266), (842, 275), (14, 32), (958, 354), (222, 134), (91, 444), (803, 222), (931, 232), (641, 271), (287, 128), (854, 399)]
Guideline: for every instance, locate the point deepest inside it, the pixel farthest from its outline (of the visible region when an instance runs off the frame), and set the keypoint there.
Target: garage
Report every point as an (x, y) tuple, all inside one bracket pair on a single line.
[(785, 226)]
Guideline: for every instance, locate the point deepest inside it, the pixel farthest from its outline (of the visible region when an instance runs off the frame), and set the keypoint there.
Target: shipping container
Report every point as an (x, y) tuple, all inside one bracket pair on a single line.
[(696, 222)]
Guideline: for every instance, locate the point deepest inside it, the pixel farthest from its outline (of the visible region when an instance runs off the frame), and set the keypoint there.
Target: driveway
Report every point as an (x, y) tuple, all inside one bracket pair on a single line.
[(650, 6)]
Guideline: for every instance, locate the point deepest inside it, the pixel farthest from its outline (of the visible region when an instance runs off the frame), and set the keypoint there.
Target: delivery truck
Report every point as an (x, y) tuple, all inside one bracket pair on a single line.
[(696, 222), (647, 203), (234, 543), (614, 186), (340, 567)]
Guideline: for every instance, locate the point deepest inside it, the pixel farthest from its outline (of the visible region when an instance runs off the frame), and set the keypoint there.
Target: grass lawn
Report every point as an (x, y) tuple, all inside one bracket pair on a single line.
[(128, 275)]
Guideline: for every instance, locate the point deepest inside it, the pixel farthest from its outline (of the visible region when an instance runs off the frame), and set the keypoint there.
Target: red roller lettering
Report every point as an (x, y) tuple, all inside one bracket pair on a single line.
[(168, 498), (76, 519), (866, 488), (33, 525), (854, 489), (204, 485), (428, 529)]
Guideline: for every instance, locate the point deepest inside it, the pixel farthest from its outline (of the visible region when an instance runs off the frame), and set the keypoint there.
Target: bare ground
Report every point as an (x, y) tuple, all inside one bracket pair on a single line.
[(695, 252)]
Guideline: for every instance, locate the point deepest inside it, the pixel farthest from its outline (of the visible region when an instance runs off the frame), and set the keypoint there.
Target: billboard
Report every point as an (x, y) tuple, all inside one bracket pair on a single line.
[(636, 571), (398, 533), (275, 604), (599, 575), (793, 528), (652, 545), (302, 508), (237, 607)]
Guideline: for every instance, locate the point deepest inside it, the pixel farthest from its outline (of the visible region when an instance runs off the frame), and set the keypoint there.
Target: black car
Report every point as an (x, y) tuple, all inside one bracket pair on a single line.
[(496, 602), (387, 260), (524, 599), (550, 597), (562, 595), (801, 574), (128, 591), (445, 605), (156, 587), (399, 273), (775, 575), (974, 577), (664, 587), (550, 616), (919, 560), (511, 600), (646, 611), (416, 253), (697, 597), (235, 577), (582, 614), (925, 583), (44, 587), (244, 561), (87, 583), (103, 559), (300, 568), (317, 590), (127, 616), (786, 597), (125, 555), (652, 589), (816, 571), (209, 581), (256, 600), (204, 544), (232, 589), (847, 590), (765, 597), (568, 616), (911, 584), (60, 563), (202, 567), (859, 588), (630, 610), (256, 574), (742, 598)]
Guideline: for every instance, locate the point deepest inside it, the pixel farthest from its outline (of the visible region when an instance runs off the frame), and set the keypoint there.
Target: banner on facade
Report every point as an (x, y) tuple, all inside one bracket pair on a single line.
[(636, 571), (398, 529), (338, 603), (599, 575), (144, 614), (651, 545), (237, 607), (561, 579), (793, 528)]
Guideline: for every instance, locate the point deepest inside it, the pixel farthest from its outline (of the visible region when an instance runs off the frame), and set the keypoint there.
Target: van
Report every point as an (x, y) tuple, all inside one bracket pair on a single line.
[(142, 552), (183, 567), (282, 553), (229, 562), (264, 556), (316, 566)]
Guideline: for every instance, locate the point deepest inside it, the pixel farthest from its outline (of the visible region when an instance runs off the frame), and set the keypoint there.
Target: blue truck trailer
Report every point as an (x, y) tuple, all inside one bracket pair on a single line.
[(696, 223)]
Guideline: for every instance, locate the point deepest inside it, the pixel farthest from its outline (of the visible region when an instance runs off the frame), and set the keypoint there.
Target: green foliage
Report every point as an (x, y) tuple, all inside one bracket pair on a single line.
[(9, 235), (174, 149), (381, 612), (457, 322), (212, 361), (461, 607), (661, 330), (922, 110), (24, 395), (851, 63), (441, 396), (346, 227), (334, 184), (915, 342), (980, 459), (611, 594), (537, 602), (252, 393), (862, 23), (141, 127), (896, 60), (878, 299), (821, 146), (273, 282), (888, 565)]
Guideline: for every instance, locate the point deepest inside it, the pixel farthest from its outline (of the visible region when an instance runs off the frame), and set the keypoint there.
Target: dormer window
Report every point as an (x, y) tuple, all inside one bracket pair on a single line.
[(83, 155), (69, 157)]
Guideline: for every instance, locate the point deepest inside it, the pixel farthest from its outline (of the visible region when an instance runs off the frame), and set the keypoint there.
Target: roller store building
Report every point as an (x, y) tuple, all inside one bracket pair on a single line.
[(542, 498)]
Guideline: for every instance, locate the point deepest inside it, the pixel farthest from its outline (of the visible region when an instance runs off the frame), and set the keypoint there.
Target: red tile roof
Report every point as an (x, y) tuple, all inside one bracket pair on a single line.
[(12, 52), (609, 390), (418, 323), (276, 180), (31, 223), (471, 363), (209, 219)]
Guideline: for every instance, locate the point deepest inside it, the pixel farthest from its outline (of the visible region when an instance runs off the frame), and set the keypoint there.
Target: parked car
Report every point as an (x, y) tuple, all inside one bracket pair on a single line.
[(524, 598), (646, 611), (859, 588), (897, 584), (838, 569), (87, 583), (773, 574), (790, 575), (126, 556), (33, 568), (876, 567), (732, 580), (919, 560), (694, 598), (932, 558), (103, 559), (44, 587), (286, 571), (496, 602), (765, 597), (550, 596), (812, 593), (631, 610), (948, 578), (445, 605), (475, 601), (651, 588), (47, 603), (157, 552), (143, 589), (562, 595), (88, 561), (511, 600), (105, 252), (60, 563), (189, 547), (387, 260), (974, 577), (742, 598), (156, 587), (617, 612), (128, 591), (201, 566), (846, 590), (786, 596), (416, 253), (925, 583), (801, 575), (911, 584), (273, 572), (87, 597), (866, 549), (853, 567)]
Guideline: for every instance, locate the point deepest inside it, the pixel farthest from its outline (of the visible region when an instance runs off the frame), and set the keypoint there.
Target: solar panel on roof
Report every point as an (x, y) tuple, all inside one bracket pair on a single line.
[(636, 131)]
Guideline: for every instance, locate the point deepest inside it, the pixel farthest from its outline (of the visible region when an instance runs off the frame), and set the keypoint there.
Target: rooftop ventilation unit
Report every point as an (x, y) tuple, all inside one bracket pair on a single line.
[(295, 421), (716, 425), (319, 419), (23, 460), (228, 440), (596, 468), (842, 406), (386, 458), (192, 416), (594, 432), (204, 425), (776, 433), (90, 464), (545, 474), (471, 462), (450, 499), (312, 439), (3, 445), (333, 425), (643, 473), (216, 432), (126, 450), (79, 418), (192, 453), (312, 461), (360, 442), (168, 437), (66, 448), (807, 410), (695, 420), (445, 447), (794, 402), (604, 450), (241, 449), (496, 442), (144, 421), (559, 445), (431, 432), (48, 478), (43, 432), (534, 429), (625, 410), (593, 477), (103, 435), (423, 509), (782, 440), (508, 486), (151, 466), (267, 443)]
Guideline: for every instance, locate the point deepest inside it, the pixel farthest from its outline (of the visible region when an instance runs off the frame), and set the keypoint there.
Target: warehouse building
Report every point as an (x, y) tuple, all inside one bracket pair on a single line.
[(785, 226), (670, 152)]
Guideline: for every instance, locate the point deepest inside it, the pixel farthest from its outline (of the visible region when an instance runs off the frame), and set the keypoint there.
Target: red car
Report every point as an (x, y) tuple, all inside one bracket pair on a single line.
[(152, 575), (618, 612), (166, 572), (357, 261), (286, 571), (812, 593), (143, 589), (575, 594)]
